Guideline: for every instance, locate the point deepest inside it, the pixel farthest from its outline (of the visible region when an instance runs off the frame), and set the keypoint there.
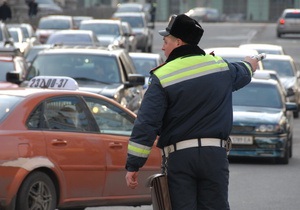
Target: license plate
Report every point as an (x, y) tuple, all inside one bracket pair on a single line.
[(247, 140)]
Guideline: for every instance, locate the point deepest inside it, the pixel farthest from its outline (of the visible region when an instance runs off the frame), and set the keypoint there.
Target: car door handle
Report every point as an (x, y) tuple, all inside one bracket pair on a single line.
[(115, 145), (59, 142)]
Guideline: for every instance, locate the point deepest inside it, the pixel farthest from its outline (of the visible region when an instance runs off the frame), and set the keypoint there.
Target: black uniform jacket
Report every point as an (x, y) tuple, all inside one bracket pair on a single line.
[(198, 108)]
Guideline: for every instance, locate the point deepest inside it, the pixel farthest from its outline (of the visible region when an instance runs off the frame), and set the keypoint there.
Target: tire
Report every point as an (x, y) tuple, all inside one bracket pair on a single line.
[(37, 192), (291, 148), (278, 35), (149, 49), (296, 114)]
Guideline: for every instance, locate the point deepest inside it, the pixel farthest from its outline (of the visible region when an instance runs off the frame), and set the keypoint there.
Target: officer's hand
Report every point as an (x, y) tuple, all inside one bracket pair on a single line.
[(131, 179), (253, 62)]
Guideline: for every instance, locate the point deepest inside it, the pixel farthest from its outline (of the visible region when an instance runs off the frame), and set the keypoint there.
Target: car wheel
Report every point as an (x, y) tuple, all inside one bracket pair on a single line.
[(291, 148), (37, 192), (286, 157), (278, 35), (296, 114), (149, 49)]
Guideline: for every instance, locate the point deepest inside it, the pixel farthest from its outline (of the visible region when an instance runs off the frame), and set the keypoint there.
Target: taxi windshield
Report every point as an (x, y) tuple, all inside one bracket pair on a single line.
[(7, 104)]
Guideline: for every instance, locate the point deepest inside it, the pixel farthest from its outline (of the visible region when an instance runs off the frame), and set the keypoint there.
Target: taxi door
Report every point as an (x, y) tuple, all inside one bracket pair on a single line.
[(115, 126), (75, 148)]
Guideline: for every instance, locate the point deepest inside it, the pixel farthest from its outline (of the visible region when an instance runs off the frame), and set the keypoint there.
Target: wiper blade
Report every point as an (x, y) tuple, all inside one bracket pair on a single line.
[(88, 79)]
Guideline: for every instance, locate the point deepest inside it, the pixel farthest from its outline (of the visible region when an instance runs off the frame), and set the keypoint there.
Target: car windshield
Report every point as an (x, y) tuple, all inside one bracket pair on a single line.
[(78, 66), (54, 24), (69, 39), (143, 66), (32, 53), (102, 28), (135, 22), (283, 68), (7, 104), (257, 95)]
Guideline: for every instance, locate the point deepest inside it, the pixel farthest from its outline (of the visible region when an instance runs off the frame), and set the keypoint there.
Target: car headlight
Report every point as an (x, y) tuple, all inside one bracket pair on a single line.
[(116, 42), (117, 96), (270, 128)]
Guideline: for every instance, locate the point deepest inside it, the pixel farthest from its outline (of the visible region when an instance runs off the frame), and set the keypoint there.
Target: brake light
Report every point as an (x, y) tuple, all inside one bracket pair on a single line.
[(282, 21)]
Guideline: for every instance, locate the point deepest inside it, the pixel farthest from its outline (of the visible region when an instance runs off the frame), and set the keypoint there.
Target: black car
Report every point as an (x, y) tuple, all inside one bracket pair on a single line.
[(262, 122), (85, 64)]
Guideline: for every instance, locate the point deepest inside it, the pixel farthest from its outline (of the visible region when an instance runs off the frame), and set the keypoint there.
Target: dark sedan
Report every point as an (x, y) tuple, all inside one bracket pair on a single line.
[(262, 122), (120, 80)]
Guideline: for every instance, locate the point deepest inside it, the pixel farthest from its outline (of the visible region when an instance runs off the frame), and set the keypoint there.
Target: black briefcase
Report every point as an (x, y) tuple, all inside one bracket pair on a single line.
[(158, 184)]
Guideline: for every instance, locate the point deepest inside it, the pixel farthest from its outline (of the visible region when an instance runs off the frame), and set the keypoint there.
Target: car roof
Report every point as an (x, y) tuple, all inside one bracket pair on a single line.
[(262, 46), (56, 17), (111, 21), (71, 31), (231, 51), (131, 14), (45, 93), (82, 49), (278, 57), (291, 10), (264, 81), (130, 4), (144, 54)]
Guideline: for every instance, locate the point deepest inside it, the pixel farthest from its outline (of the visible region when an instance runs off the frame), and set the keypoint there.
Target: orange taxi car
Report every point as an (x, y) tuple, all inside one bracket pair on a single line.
[(62, 149)]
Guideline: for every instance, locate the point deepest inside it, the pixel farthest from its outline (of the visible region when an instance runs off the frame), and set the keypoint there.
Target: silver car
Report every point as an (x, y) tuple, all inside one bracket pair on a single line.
[(289, 22)]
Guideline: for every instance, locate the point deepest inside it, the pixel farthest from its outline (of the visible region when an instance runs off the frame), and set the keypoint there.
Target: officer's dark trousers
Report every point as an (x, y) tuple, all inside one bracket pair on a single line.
[(198, 179)]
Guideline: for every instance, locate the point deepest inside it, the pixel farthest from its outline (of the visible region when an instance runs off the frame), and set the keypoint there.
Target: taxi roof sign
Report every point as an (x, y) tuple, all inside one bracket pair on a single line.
[(53, 82)]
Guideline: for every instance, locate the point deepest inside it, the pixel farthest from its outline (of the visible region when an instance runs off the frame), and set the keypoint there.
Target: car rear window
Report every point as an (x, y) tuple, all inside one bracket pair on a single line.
[(7, 104), (293, 15), (257, 95)]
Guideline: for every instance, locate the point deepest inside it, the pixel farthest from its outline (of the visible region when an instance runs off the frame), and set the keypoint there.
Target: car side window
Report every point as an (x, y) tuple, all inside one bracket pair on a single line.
[(110, 118), (62, 114)]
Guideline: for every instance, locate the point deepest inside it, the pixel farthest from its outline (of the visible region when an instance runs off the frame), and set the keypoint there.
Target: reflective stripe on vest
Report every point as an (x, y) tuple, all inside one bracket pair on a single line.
[(138, 150), (182, 69)]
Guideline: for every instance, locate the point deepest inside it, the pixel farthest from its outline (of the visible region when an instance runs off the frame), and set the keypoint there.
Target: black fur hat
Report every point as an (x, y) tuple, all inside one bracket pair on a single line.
[(184, 28)]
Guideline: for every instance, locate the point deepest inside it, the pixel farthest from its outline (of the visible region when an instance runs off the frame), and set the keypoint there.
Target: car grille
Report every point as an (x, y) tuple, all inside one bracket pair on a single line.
[(242, 129)]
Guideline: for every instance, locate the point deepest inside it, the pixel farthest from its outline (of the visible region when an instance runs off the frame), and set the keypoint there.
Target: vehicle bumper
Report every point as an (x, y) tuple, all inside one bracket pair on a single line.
[(288, 30), (262, 147), (141, 42)]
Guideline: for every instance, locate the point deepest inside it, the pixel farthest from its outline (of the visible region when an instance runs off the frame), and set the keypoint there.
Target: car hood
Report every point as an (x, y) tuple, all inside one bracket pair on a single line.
[(108, 90), (253, 115), (106, 40), (288, 81)]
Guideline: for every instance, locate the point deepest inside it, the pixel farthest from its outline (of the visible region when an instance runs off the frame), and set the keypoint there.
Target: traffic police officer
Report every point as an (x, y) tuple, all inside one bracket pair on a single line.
[(188, 104)]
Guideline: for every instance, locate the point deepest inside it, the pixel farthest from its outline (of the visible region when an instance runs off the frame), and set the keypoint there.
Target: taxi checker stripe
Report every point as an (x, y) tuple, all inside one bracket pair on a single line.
[(138, 150), (187, 73)]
